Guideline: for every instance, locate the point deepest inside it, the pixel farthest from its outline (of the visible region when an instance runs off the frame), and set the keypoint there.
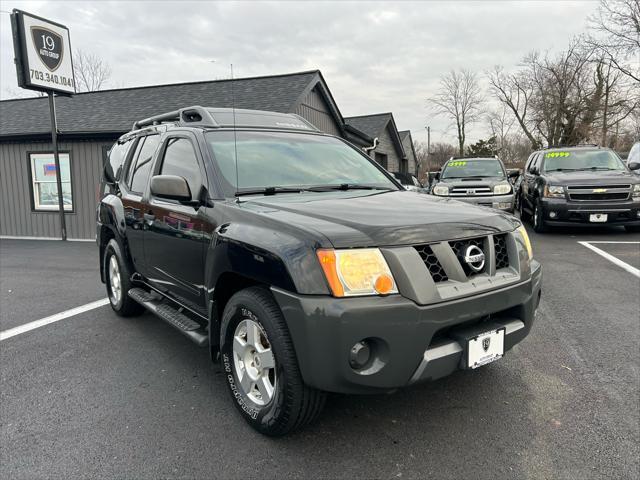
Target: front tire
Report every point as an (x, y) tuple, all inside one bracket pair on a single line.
[(261, 366), (118, 281), (539, 225), (523, 214)]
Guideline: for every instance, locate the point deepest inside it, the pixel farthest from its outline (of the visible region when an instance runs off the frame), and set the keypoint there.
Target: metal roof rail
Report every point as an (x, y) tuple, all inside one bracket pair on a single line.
[(548, 147), (192, 116)]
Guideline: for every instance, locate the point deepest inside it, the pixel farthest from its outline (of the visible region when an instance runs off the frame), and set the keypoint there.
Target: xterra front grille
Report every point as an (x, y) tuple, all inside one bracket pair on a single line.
[(500, 246), (433, 264), (460, 247)]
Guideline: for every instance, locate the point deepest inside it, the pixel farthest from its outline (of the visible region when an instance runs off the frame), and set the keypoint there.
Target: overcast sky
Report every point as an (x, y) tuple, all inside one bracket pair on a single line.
[(376, 57)]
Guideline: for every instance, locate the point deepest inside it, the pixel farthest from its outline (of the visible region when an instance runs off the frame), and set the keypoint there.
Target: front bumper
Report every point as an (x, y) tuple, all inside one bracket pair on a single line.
[(501, 202), (411, 342), (563, 212)]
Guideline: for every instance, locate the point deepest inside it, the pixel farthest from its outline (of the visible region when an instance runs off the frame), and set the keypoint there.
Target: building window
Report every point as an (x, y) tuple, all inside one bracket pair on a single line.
[(381, 158), (43, 180)]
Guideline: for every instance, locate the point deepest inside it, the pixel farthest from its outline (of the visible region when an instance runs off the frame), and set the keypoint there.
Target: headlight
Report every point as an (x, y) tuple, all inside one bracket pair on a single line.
[(525, 237), (502, 189), (636, 191), (553, 191), (361, 271), (441, 190)]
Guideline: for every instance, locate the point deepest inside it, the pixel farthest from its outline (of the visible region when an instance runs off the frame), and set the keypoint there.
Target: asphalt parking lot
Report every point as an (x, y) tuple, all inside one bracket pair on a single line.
[(95, 395)]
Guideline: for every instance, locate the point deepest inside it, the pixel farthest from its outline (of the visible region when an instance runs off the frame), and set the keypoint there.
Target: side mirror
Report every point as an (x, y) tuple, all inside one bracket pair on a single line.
[(171, 187), (514, 174), (436, 176), (534, 171), (634, 165)]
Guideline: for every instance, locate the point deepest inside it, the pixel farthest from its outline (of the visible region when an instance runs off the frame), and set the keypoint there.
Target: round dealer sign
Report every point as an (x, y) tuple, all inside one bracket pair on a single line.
[(43, 54)]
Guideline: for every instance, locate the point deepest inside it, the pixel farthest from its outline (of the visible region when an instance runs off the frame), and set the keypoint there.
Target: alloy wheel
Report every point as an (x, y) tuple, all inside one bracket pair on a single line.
[(254, 362), (115, 284)]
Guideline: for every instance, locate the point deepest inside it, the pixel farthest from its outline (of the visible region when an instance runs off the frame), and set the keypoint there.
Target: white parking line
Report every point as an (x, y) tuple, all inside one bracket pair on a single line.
[(632, 270), (12, 332)]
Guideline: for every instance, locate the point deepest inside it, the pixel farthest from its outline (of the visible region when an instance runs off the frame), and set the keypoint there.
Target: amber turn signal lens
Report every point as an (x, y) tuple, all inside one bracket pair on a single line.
[(328, 262), (383, 284)]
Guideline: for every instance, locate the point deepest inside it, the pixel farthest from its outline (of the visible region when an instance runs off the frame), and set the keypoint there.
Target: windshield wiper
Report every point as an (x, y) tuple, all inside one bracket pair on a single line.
[(564, 170), (346, 186), (270, 191), (597, 168)]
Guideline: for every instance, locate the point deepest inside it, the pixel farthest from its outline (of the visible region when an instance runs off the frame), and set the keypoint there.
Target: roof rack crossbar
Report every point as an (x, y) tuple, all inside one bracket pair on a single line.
[(571, 146), (192, 116)]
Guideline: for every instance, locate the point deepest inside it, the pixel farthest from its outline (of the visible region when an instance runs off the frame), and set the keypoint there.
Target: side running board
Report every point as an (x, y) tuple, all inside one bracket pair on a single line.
[(188, 327)]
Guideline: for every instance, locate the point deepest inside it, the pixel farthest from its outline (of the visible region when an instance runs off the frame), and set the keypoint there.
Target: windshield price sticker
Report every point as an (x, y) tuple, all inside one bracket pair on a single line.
[(556, 154), (457, 163)]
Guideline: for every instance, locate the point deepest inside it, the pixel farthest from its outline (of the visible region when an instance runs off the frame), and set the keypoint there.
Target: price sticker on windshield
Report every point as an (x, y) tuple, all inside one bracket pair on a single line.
[(457, 163), (556, 154)]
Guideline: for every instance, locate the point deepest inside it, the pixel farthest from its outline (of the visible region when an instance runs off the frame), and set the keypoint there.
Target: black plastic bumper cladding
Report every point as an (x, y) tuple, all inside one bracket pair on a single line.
[(324, 329)]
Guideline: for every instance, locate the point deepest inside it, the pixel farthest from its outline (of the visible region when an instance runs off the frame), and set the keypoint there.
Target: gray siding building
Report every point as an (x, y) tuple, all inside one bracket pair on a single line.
[(389, 151), (89, 123), (410, 152)]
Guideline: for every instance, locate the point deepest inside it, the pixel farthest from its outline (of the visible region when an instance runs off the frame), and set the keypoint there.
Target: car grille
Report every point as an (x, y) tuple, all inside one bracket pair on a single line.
[(599, 192), (470, 190), (433, 264), (433, 257), (459, 247), (502, 255)]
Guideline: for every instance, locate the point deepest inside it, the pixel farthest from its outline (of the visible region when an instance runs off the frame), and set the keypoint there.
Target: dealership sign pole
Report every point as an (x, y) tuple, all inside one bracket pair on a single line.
[(43, 63)]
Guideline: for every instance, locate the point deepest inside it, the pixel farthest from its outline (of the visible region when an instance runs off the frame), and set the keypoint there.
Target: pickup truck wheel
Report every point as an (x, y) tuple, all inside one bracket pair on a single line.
[(261, 367), (538, 219), (118, 282)]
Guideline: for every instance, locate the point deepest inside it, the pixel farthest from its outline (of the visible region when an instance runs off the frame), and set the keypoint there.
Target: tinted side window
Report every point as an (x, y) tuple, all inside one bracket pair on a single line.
[(534, 162), (117, 155), (139, 173), (180, 159)]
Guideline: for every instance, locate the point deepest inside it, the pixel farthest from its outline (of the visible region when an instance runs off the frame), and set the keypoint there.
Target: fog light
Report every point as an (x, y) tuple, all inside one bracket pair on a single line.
[(359, 355), (553, 214), (638, 214)]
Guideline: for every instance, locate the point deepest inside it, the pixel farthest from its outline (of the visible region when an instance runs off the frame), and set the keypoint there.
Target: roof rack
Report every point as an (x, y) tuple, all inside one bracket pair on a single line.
[(548, 147), (192, 116), (474, 157)]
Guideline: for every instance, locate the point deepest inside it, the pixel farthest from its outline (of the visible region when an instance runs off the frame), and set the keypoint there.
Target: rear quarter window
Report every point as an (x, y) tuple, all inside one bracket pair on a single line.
[(115, 162)]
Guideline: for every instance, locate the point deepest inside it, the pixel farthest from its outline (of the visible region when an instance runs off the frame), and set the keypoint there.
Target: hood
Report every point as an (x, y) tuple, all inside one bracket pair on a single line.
[(591, 177), (473, 182), (372, 218)]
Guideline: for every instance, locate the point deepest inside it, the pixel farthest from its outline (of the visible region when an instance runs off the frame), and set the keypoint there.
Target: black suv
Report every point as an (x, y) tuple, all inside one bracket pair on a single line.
[(582, 185), (303, 265)]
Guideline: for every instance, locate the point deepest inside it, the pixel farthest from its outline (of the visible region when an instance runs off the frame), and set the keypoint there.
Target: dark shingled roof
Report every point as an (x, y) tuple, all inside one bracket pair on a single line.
[(403, 134), (372, 125), (114, 111)]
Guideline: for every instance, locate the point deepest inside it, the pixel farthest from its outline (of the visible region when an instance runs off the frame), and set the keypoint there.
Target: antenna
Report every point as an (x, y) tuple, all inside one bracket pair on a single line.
[(235, 137)]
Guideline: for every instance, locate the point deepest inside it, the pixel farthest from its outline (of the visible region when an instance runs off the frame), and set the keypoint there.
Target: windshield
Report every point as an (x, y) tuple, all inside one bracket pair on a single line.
[(278, 159), (473, 168), (582, 160)]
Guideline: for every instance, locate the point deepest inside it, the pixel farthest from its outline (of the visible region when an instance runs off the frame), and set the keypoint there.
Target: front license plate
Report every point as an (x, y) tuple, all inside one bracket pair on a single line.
[(485, 348), (598, 217)]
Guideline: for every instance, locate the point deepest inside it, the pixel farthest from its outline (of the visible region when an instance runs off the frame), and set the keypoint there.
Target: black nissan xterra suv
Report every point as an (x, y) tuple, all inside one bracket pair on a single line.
[(302, 264), (581, 185)]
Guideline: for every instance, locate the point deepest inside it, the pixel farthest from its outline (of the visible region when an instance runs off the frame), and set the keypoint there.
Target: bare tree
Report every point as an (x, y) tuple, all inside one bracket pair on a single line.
[(459, 99), (515, 91), (513, 145), (616, 34), (91, 72)]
